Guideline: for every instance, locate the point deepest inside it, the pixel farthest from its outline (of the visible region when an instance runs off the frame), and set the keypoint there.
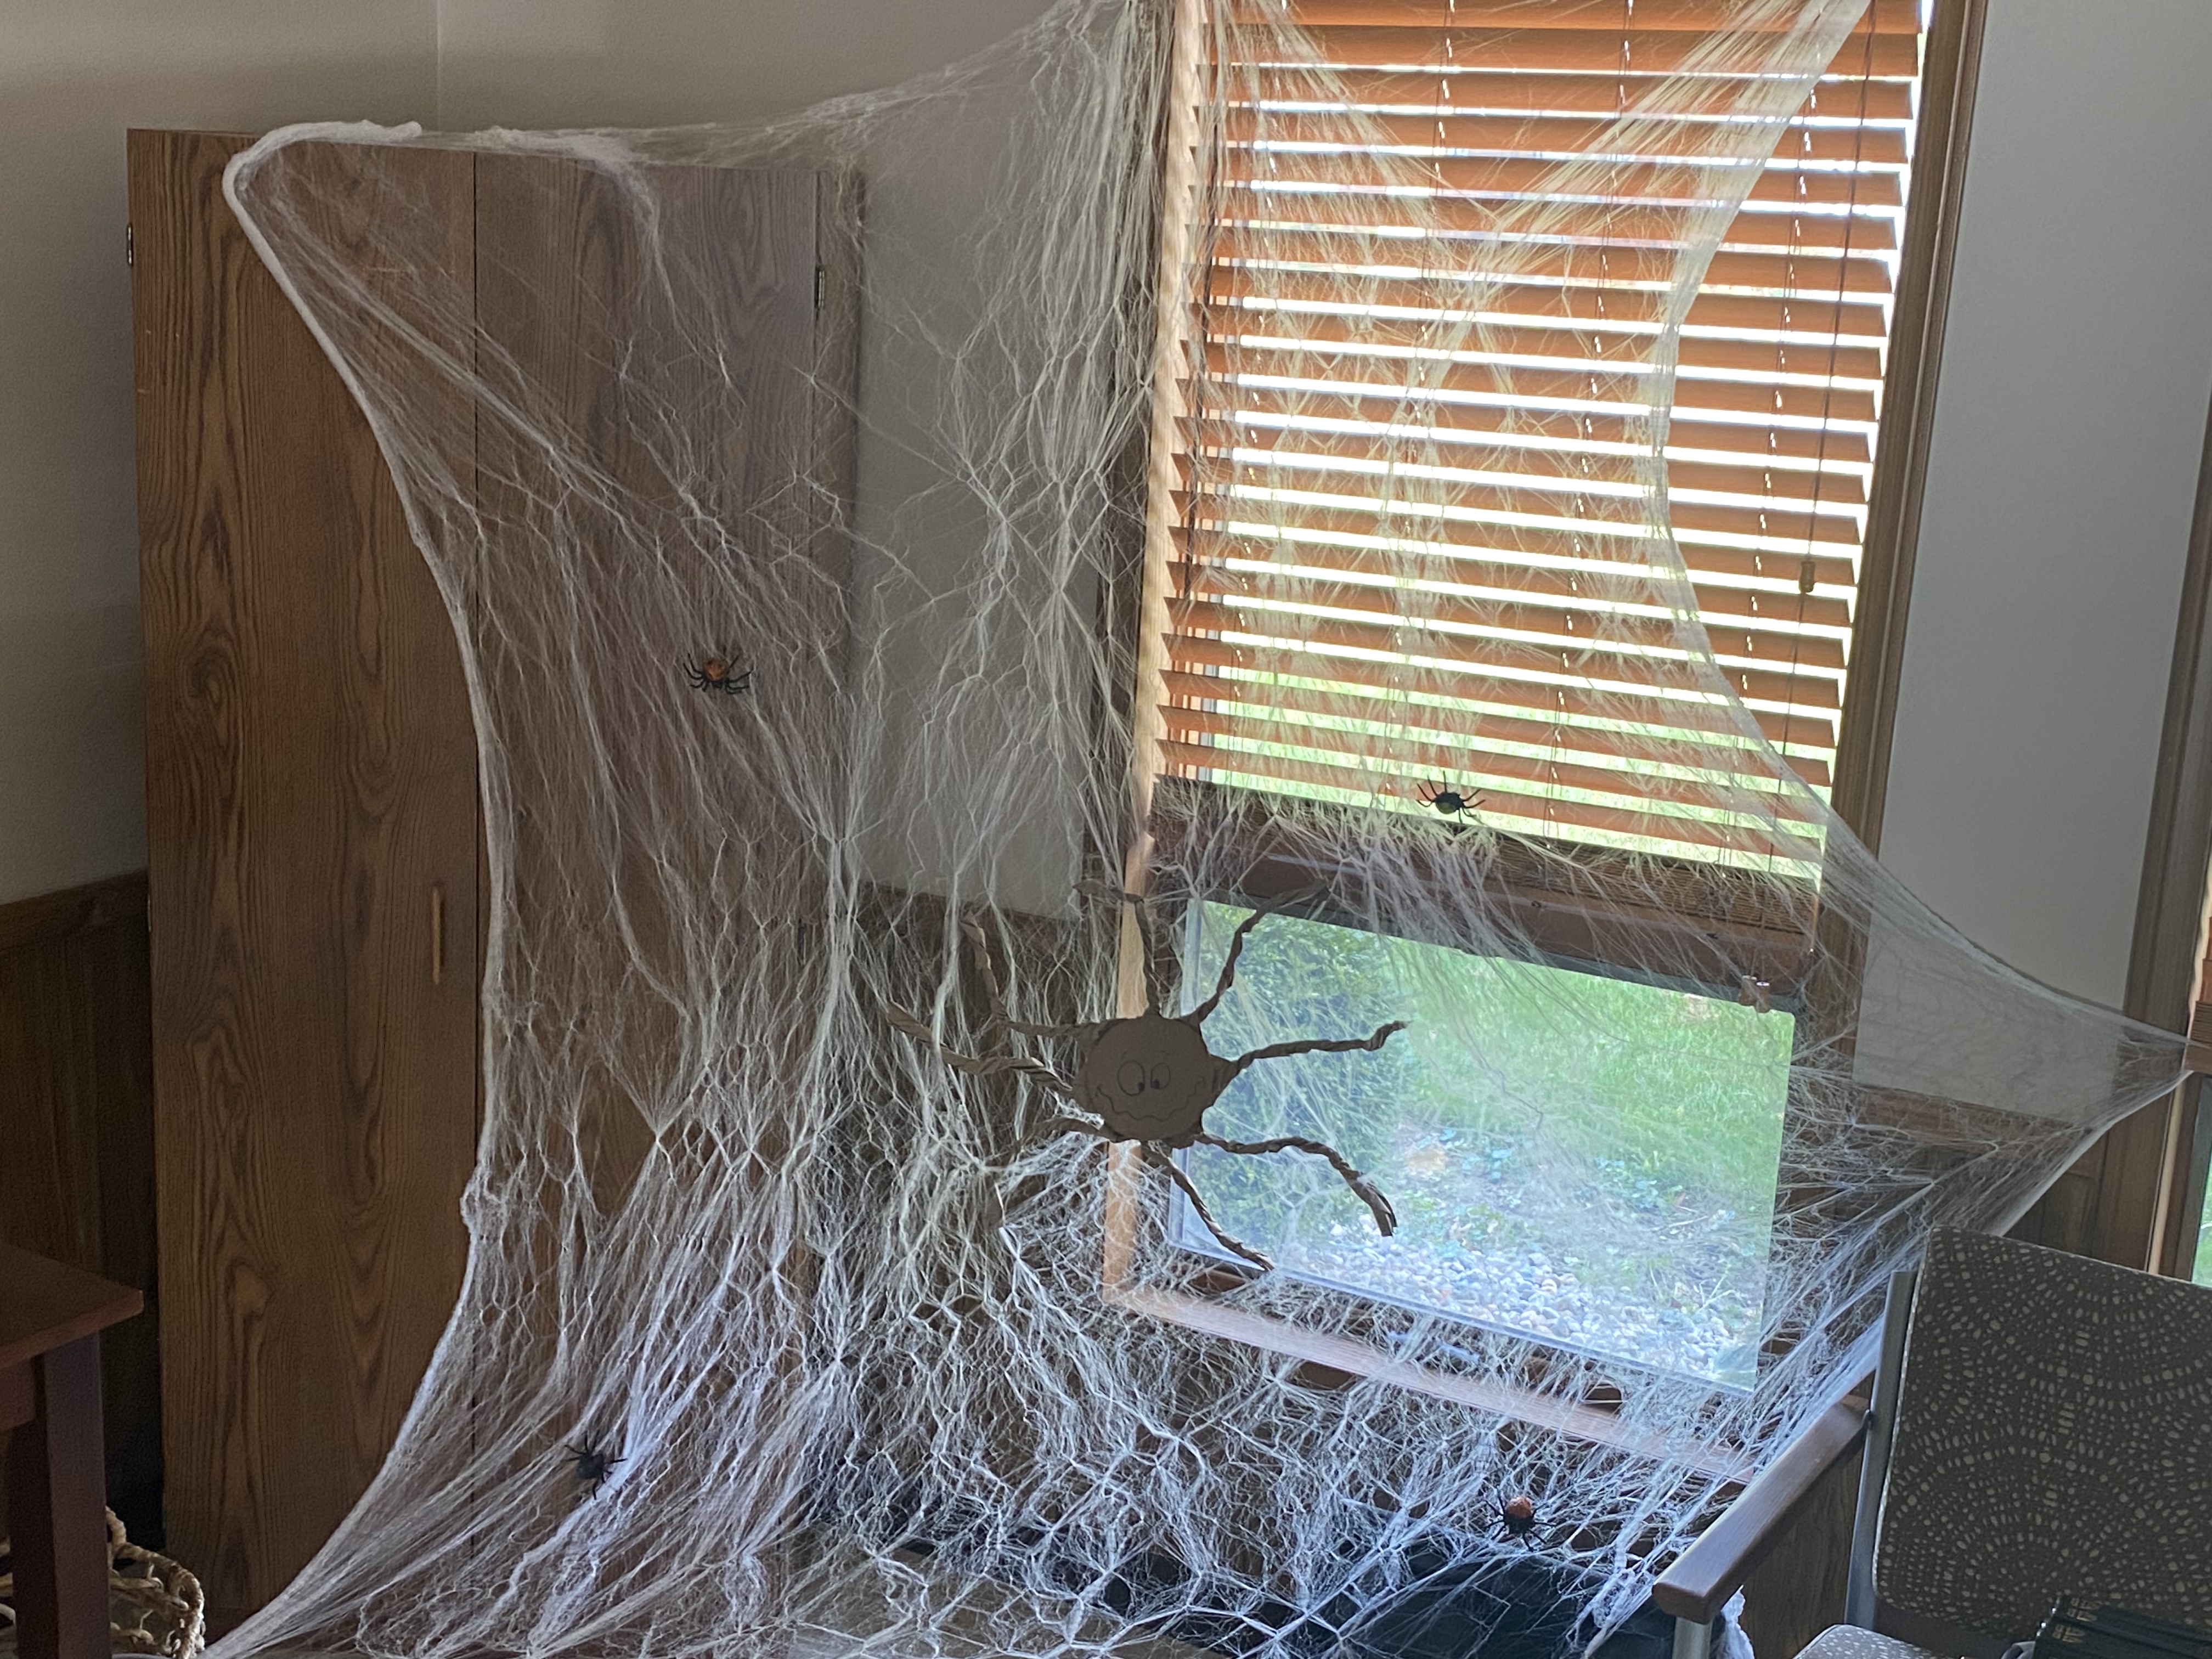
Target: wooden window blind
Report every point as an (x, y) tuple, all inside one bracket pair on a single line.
[(1286, 610)]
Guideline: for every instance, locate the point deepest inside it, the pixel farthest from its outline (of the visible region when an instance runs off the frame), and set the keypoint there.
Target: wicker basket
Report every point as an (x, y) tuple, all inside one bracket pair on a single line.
[(154, 1605)]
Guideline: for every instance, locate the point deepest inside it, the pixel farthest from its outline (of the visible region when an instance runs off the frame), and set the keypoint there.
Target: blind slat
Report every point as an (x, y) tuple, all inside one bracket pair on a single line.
[(1829, 488), (1705, 563), (1257, 352), (1396, 406), (1599, 661), (1530, 133), (1559, 627), (1717, 603), (1417, 762), (1410, 471), (1350, 242), (1552, 811), (1501, 87), (1800, 724), (1406, 329), (1613, 541), (1525, 516), (1851, 319), (1536, 176), (1638, 51), (1561, 729), (1589, 16)]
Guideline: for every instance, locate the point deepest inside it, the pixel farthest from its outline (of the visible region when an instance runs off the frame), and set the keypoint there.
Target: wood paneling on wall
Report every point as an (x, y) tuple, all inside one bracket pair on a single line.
[(77, 1137)]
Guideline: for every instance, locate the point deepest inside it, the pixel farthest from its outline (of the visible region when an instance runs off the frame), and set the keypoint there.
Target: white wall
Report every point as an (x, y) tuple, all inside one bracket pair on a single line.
[(2077, 376), (74, 74), (644, 62)]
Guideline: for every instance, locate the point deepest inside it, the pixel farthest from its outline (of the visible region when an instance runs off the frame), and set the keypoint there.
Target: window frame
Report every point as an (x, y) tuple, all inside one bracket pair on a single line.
[(2135, 1198)]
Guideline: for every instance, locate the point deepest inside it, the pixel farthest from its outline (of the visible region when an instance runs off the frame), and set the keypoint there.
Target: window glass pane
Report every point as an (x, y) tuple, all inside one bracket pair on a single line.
[(1589, 1160)]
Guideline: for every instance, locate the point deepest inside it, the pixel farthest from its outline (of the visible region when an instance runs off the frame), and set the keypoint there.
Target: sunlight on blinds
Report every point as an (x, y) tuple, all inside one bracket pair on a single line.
[(1415, 416)]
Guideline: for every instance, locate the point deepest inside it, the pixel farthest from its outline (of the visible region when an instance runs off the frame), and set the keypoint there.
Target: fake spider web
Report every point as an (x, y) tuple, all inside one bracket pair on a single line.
[(885, 1372)]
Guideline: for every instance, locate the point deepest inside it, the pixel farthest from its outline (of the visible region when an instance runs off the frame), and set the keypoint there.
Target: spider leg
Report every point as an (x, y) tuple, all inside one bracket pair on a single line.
[(992, 1066), (976, 936), (972, 931), (1377, 1202), (1197, 1015), (1147, 932), (1154, 1155), (1381, 1035)]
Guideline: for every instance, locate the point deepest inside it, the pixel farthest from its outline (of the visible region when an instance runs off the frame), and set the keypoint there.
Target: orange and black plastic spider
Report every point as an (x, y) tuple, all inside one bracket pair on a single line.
[(1450, 801), (1517, 1515), (715, 675)]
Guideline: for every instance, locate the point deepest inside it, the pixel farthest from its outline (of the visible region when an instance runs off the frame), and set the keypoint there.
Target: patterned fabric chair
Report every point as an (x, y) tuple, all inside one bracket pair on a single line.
[(2042, 1425)]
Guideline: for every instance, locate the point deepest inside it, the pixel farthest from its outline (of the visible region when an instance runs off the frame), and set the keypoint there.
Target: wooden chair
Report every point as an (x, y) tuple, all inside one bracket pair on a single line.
[(2041, 1424), (50, 1318)]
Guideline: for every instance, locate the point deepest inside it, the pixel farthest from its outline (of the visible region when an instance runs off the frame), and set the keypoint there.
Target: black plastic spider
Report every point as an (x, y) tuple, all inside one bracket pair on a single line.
[(1449, 800), (715, 675), (1754, 993), (1151, 1079), (592, 1464)]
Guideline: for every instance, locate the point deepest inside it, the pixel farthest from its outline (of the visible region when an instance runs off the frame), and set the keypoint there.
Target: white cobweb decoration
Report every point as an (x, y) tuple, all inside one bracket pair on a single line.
[(882, 1373)]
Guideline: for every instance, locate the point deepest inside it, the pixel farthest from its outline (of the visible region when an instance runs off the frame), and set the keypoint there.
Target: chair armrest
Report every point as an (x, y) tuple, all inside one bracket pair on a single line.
[(1698, 1585)]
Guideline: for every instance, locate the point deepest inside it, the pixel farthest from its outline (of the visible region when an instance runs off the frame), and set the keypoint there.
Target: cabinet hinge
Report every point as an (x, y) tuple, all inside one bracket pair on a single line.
[(130, 246)]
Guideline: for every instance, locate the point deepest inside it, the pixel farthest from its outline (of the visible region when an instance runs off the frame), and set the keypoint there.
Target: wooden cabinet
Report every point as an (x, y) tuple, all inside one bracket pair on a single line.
[(317, 879)]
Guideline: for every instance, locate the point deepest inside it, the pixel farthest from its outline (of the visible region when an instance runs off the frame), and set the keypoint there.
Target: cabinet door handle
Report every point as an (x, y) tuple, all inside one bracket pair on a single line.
[(437, 933)]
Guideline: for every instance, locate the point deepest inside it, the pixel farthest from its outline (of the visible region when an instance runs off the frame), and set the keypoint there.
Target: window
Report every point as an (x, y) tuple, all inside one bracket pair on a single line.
[(1564, 1192), (1502, 490), (1410, 463)]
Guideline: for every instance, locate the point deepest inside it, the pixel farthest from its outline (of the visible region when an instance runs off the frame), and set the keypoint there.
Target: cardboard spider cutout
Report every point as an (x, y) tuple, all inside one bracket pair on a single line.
[(1149, 1080)]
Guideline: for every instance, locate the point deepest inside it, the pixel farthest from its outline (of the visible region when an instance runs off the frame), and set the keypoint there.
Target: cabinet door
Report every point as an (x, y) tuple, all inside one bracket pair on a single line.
[(658, 465), (312, 829)]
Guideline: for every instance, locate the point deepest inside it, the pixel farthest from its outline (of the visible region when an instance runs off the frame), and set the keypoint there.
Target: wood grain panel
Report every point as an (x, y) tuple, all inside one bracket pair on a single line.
[(682, 375), (113, 972), (676, 472), (310, 781), (76, 1122), (53, 1126)]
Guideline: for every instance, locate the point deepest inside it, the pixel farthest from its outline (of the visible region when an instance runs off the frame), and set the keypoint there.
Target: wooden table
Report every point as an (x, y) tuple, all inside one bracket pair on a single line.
[(50, 1318)]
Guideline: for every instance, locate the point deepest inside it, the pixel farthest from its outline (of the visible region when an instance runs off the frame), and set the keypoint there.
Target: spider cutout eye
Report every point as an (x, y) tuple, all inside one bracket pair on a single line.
[(1162, 1076), (1131, 1077)]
